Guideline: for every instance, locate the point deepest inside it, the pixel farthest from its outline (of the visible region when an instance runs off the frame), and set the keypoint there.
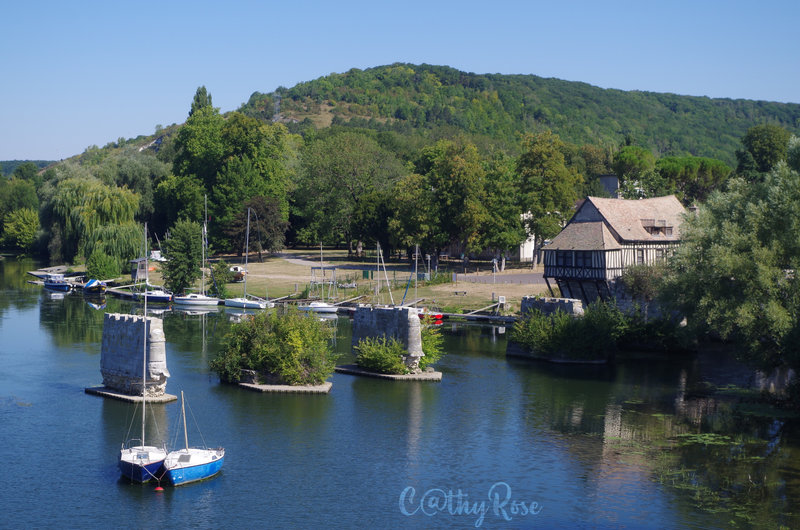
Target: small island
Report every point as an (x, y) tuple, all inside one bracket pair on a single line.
[(278, 352)]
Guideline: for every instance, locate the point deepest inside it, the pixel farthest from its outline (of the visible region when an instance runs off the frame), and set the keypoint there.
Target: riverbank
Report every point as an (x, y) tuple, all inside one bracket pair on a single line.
[(288, 273)]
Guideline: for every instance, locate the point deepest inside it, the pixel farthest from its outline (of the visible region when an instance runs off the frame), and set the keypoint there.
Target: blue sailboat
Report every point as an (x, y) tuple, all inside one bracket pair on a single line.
[(191, 464)]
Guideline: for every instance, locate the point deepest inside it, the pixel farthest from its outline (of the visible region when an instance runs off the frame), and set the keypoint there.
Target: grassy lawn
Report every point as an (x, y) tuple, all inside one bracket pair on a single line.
[(290, 272)]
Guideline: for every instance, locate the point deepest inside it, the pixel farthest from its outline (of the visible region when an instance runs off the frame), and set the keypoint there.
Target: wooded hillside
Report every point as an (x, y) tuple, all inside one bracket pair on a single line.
[(433, 101)]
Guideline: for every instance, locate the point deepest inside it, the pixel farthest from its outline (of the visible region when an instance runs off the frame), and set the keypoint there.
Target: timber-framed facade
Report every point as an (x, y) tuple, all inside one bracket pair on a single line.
[(606, 236)]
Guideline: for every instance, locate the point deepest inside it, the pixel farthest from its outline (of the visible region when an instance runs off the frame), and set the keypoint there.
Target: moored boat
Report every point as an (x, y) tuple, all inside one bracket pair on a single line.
[(246, 303), (154, 295), (56, 282), (319, 307), (201, 298), (196, 299), (141, 463), (191, 464), (243, 302), (94, 287)]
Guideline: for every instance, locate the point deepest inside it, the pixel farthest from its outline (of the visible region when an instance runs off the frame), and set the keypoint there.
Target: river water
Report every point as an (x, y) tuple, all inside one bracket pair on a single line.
[(498, 443)]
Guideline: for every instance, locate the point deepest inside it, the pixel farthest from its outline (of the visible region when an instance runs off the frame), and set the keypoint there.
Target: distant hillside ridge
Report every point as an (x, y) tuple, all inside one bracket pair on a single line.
[(427, 99), (7, 167)]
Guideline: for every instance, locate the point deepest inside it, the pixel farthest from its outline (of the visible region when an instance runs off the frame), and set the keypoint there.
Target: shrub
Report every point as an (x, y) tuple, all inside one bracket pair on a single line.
[(439, 277), (655, 334), (101, 266), (432, 342), (381, 355), (593, 336), (293, 347)]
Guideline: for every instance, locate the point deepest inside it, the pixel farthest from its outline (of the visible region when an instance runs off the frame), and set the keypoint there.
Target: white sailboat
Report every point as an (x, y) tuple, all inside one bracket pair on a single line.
[(243, 302), (191, 464), (319, 306), (141, 462), (201, 298)]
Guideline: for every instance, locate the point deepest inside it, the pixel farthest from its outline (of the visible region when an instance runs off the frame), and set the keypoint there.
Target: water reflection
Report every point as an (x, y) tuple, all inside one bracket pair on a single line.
[(122, 421), (659, 419), (643, 442)]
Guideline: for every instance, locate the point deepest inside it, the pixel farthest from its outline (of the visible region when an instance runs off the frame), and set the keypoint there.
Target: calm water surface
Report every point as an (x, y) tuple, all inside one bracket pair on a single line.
[(638, 444)]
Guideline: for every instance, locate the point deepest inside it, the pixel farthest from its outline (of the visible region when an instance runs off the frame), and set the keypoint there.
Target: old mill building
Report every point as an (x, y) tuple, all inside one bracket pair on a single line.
[(606, 236)]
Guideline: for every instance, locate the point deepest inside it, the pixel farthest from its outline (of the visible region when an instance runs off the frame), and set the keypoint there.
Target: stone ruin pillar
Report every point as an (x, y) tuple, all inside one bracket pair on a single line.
[(122, 350), (402, 323)]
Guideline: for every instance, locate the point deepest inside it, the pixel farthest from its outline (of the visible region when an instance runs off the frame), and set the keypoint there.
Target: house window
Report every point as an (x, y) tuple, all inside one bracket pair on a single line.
[(639, 256), (564, 258), (659, 254), (668, 230)]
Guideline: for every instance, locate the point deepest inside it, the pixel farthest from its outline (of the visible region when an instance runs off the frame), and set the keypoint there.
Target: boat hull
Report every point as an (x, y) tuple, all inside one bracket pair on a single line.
[(245, 304), (196, 300), (207, 466), (157, 297), (94, 287), (57, 286), (317, 307)]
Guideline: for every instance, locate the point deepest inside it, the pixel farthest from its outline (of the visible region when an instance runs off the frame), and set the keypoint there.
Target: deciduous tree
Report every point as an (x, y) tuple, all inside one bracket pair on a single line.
[(183, 251), (20, 228), (339, 171), (736, 270), (547, 187)]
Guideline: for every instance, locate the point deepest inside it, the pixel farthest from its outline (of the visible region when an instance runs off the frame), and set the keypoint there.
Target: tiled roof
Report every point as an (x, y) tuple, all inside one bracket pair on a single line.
[(628, 218), (620, 221), (584, 236)]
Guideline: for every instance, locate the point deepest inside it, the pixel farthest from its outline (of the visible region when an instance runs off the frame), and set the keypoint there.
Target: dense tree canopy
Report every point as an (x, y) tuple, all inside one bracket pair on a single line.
[(430, 102), (19, 229), (202, 99), (338, 171), (456, 177), (183, 251), (766, 144), (736, 270), (547, 187)]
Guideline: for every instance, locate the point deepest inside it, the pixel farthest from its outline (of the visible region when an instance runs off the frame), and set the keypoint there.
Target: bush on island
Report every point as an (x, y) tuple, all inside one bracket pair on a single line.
[(560, 336), (291, 348), (382, 355), (385, 355), (432, 342)]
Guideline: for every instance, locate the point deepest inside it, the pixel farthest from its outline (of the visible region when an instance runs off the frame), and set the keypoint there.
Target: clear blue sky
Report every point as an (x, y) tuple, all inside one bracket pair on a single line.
[(76, 74)]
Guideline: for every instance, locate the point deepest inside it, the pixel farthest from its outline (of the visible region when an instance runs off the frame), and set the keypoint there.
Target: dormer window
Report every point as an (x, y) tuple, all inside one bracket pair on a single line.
[(656, 227)]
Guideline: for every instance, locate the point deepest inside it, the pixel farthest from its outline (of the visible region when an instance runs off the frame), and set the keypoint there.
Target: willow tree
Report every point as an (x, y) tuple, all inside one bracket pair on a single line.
[(83, 208)]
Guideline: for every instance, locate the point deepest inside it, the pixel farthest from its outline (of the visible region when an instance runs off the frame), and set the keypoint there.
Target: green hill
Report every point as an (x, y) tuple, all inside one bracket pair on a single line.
[(432, 101), (7, 167)]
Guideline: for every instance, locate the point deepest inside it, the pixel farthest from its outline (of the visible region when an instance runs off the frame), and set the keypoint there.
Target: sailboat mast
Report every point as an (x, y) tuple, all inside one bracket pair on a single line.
[(203, 247), (416, 275), (322, 271), (144, 341), (246, 252), (183, 413)]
